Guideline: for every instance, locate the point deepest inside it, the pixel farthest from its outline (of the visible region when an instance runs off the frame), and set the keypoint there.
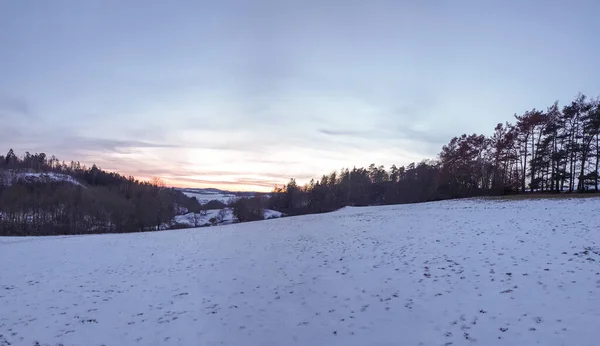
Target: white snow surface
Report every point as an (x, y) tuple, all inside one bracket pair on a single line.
[(467, 272), (206, 197), (10, 176), (272, 214), (223, 218)]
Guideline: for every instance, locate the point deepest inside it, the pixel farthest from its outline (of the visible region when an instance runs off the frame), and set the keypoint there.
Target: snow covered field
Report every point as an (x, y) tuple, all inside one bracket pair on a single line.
[(207, 196), (222, 216), (465, 272)]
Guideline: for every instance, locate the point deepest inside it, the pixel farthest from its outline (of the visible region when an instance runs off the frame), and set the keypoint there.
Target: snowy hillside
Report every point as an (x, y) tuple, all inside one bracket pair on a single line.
[(210, 194), (272, 214), (465, 272), (206, 195), (220, 216), (9, 177)]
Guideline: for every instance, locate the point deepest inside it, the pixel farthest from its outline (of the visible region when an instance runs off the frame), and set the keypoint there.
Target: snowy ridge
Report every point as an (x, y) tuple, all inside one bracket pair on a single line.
[(206, 195), (204, 198), (218, 216), (9, 177), (470, 272)]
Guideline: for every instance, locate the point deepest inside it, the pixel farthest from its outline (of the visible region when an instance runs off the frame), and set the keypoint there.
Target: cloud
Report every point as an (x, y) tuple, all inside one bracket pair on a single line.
[(70, 143), (380, 120), (178, 171), (14, 108), (148, 131), (103, 144), (431, 137), (399, 133), (264, 183), (171, 171), (342, 133), (259, 140)]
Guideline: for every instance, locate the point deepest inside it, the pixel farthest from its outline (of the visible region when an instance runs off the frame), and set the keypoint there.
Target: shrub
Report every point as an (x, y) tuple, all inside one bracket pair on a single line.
[(249, 209)]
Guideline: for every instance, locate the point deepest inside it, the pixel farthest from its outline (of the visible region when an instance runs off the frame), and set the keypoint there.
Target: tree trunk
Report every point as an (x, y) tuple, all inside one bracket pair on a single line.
[(532, 162), (571, 148), (523, 177), (535, 153), (597, 161), (554, 163), (585, 151)]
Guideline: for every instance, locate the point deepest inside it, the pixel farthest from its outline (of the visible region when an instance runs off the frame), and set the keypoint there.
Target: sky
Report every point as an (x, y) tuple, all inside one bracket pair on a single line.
[(244, 95)]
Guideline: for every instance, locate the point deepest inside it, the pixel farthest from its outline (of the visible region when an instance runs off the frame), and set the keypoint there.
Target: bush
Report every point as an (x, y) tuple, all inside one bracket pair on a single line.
[(214, 204), (249, 209)]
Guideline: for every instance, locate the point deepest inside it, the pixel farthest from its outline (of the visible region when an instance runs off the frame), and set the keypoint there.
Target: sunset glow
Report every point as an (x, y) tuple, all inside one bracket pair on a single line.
[(220, 99)]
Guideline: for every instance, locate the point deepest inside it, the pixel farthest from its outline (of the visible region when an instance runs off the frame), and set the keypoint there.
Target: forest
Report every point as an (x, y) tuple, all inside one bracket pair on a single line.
[(93, 201), (550, 151), (556, 150)]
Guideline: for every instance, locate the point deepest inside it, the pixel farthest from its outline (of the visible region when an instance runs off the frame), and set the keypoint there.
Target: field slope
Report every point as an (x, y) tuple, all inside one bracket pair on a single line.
[(470, 272)]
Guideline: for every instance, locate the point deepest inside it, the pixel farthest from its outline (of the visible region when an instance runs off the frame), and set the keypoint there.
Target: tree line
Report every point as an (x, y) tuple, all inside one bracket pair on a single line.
[(102, 202), (556, 150), (544, 151)]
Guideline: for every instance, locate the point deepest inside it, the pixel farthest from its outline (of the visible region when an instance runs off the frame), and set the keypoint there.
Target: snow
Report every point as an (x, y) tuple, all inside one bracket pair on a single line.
[(210, 194), (10, 176), (223, 216), (206, 197), (467, 272), (272, 214)]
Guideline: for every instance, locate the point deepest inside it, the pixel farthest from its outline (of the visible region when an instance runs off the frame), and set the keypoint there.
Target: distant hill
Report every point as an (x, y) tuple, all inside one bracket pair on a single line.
[(8, 177), (40, 195), (211, 194), (205, 190)]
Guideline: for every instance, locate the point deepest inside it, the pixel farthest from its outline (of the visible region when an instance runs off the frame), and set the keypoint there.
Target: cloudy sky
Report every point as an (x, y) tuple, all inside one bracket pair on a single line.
[(246, 94)]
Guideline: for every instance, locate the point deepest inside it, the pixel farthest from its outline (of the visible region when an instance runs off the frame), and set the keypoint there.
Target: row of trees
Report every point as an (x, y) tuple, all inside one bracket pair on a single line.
[(103, 202), (546, 151)]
